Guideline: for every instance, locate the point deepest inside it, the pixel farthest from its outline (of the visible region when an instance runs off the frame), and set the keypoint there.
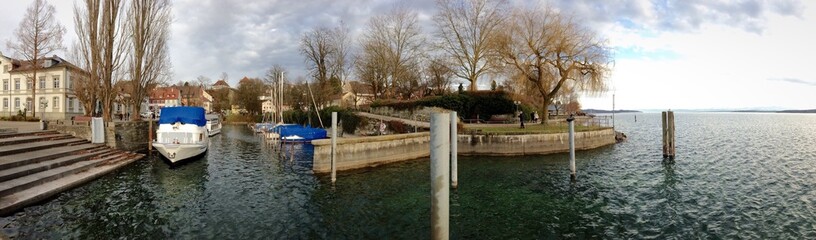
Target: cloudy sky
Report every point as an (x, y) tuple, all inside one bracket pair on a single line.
[(685, 54)]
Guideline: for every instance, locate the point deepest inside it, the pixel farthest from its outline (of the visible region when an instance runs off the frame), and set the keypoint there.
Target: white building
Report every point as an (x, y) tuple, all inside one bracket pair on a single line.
[(54, 88)]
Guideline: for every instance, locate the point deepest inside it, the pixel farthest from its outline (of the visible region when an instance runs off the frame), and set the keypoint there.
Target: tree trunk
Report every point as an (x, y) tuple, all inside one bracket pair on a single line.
[(545, 114)]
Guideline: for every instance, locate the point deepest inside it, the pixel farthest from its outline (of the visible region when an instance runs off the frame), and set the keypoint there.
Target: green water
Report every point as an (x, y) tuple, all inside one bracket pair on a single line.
[(736, 176)]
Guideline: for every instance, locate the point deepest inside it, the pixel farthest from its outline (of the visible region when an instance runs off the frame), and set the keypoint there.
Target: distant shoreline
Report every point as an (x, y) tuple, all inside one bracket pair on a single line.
[(782, 111), (599, 111)]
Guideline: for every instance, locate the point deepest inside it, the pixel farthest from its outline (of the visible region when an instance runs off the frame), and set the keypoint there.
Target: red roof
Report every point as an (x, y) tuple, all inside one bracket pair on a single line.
[(164, 93)]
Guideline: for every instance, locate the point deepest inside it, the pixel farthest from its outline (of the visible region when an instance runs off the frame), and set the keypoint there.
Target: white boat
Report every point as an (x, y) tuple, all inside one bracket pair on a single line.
[(182, 133), (213, 124)]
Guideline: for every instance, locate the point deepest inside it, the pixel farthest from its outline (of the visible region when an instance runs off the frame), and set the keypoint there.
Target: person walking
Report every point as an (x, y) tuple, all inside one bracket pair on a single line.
[(521, 119)]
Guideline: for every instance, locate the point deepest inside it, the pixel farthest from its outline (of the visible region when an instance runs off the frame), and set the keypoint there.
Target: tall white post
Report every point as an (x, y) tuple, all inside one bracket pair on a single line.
[(571, 123), (334, 148), (454, 150), (440, 179)]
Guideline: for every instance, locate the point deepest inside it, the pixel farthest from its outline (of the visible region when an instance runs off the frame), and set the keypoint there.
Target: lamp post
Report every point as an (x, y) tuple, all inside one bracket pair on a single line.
[(517, 106)]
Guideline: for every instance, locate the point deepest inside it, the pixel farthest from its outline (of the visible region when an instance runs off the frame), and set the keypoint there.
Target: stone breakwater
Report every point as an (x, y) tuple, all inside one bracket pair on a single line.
[(362, 152)]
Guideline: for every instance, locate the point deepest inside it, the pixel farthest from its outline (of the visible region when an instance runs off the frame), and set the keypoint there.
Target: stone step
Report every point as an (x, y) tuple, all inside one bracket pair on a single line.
[(20, 159), (32, 138), (28, 147), (27, 169), (28, 181), (11, 203), (9, 135)]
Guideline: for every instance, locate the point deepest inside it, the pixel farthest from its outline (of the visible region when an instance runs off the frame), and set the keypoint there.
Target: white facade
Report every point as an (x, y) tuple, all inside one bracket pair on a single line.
[(55, 98)]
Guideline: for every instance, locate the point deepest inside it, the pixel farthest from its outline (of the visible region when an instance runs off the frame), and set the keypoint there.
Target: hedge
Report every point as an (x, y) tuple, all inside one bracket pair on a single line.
[(468, 104)]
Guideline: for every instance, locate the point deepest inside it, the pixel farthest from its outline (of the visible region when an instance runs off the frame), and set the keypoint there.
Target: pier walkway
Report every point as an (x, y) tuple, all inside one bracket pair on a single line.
[(37, 165), (387, 118)]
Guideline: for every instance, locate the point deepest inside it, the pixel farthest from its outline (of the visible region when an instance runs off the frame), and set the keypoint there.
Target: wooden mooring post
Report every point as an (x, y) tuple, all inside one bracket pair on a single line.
[(667, 118)]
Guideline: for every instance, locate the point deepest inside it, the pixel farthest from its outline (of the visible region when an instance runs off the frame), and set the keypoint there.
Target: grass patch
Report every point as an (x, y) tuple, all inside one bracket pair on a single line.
[(530, 129)]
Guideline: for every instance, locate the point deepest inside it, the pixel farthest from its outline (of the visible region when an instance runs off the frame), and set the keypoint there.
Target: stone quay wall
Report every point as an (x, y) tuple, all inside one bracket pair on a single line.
[(531, 144), (362, 152)]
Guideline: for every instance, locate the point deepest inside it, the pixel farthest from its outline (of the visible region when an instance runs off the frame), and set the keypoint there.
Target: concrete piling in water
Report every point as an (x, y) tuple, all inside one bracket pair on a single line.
[(150, 136), (334, 148), (454, 150), (571, 123), (440, 179), (667, 122)]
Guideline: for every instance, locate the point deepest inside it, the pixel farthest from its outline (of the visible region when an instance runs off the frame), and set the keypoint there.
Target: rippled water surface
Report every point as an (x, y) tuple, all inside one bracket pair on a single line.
[(736, 176)]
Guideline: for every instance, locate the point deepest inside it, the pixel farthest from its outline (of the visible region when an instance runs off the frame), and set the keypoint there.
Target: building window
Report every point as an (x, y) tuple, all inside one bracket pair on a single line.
[(29, 84), (16, 103), (5, 84), (42, 101), (5, 68), (70, 104), (16, 84), (42, 82), (56, 82), (70, 82), (55, 103), (5, 103)]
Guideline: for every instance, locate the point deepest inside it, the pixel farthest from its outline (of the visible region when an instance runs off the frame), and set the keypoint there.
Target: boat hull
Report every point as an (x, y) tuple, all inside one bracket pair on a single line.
[(213, 132), (179, 152)]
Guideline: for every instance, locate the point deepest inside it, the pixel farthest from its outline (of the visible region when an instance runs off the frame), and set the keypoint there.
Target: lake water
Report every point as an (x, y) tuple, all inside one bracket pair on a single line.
[(735, 176)]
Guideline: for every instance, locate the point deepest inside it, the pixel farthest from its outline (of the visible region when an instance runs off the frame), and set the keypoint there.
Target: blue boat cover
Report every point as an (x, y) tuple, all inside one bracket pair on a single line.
[(307, 133), (185, 115)]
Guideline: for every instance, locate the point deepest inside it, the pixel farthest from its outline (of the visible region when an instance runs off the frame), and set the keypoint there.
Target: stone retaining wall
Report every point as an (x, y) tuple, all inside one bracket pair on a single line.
[(127, 136), (362, 152)]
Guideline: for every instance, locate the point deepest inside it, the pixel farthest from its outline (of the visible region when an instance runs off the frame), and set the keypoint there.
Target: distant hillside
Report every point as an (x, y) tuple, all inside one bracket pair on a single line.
[(798, 111), (600, 111)]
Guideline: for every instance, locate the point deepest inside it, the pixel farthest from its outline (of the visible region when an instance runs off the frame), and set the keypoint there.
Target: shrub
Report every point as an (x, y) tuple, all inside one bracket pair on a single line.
[(397, 127), (347, 119), (468, 104)]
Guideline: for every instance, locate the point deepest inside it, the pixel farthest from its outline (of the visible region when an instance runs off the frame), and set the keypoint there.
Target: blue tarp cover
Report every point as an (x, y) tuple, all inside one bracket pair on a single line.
[(185, 115), (307, 133)]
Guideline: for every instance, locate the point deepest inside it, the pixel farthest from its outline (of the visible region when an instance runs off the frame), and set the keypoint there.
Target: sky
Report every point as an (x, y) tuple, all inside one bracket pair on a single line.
[(685, 54)]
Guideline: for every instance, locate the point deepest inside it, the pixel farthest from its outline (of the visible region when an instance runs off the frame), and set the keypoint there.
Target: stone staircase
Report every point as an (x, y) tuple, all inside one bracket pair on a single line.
[(37, 165)]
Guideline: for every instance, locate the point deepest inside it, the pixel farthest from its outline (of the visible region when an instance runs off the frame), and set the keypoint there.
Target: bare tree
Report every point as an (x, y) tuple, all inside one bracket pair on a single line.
[(203, 82), (38, 36), (465, 29), (325, 51), (86, 91), (224, 76), (439, 74), (149, 24), (551, 51), (103, 45), (392, 52)]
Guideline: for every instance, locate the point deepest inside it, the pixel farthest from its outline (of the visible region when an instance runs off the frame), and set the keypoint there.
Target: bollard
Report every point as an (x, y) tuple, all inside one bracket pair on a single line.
[(440, 170), (334, 148), (454, 150), (570, 122)]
